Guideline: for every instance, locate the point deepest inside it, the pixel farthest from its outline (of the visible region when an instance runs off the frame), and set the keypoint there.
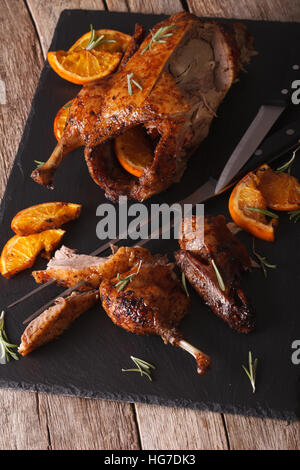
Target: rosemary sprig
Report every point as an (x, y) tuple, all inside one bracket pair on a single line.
[(95, 42), (5, 346), (251, 372), (287, 165), (295, 215), (68, 105), (264, 264), (183, 281), (219, 277), (159, 36), (129, 80), (122, 283), (143, 367), (263, 211), (38, 164)]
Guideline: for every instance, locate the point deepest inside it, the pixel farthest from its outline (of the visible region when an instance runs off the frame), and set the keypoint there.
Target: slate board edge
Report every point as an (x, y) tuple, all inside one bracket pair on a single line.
[(68, 391)]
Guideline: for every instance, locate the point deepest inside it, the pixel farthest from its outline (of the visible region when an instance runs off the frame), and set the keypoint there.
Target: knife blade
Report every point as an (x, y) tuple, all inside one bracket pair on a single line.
[(264, 120)]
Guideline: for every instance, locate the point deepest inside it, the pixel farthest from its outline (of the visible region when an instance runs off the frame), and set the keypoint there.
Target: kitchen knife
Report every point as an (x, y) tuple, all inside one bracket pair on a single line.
[(273, 147), (267, 115)]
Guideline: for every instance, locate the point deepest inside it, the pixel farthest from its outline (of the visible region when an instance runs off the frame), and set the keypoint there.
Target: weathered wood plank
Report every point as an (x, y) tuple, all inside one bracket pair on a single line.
[(20, 423), (45, 15), (262, 434), (145, 6), (289, 10), (85, 424), (21, 61), (171, 428)]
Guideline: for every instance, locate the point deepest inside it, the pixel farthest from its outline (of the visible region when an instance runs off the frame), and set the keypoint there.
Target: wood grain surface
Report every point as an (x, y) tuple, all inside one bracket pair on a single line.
[(38, 421)]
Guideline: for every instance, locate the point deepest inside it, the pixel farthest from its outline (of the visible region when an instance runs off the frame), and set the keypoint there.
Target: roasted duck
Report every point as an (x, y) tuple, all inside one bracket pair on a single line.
[(182, 79), (55, 320), (151, 303), (212, 260)]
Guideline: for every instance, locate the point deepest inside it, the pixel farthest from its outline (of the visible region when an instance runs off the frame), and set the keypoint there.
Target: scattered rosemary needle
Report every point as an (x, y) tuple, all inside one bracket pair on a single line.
[(143, 367), (263, 211), (264, 264), (5, 347), (68, 105), (122, 282), (38, 164), (129, 80), (295, 216), (95, 42), (183, 281), (287, 165), (219, 277), (251, 372), (160, 36)]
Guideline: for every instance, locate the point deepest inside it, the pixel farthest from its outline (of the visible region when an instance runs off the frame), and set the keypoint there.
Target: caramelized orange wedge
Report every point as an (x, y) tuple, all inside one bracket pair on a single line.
[(134, 151), (60, 120), (44, 216), (245, 197), (281, 191), (20, 252), (93, 56)]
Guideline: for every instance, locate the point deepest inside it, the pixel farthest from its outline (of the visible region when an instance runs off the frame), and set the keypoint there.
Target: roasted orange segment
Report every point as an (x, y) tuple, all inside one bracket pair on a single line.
[(134, 150), (44, 216), (20, 252), (60, 120), (246, 195), (95, 55), (281, 191)]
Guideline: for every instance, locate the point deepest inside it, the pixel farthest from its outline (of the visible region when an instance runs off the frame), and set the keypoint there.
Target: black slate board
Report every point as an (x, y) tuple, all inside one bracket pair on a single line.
[(87, 360)]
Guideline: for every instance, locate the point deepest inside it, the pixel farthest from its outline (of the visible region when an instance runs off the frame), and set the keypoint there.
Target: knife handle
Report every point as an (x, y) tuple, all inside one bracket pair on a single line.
[(282, 96), (273, 147)]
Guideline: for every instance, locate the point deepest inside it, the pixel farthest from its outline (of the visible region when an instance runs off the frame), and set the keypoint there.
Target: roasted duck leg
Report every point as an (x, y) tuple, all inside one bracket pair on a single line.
[(204, 259), (151, 303), (182, 80)]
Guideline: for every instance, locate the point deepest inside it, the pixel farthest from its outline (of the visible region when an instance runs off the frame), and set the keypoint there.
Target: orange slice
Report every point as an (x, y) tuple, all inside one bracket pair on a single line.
[(246, 195), (281, 191), (83, 63), (44, 216), (134, 151), (60, 120), (20, 252)]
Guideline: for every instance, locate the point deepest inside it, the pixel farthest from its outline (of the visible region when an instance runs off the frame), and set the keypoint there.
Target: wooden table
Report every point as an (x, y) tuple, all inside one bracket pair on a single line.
[(38, 421)]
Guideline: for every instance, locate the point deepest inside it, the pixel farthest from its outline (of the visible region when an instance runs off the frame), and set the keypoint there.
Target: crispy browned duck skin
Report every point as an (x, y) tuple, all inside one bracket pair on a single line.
[(55, 320), (230, 256), (183, 82), (153, 303)]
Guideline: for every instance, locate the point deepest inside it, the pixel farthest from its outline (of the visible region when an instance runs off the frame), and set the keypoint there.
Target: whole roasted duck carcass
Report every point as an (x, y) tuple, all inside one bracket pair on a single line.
[(213, 262), (183, 79)]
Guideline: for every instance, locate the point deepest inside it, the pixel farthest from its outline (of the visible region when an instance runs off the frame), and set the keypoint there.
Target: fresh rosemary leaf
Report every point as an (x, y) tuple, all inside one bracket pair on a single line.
[(264, 264), (251, 372), (38, 164), (295, 216), (159, 37), (143, 367), (6, 348), (183, 281), (122, 282), (68, 105), (219, 277), (95, 42), (263, 211), (287, 166), (129, 80)]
